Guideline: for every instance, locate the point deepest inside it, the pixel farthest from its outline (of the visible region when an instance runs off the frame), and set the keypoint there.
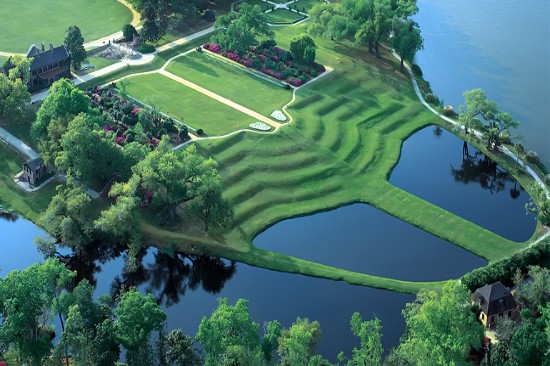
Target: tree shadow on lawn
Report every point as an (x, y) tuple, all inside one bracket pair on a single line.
[(198, 66)]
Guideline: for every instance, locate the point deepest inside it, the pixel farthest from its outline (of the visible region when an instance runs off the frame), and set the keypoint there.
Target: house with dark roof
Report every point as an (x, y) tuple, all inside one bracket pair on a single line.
[(33, 171), (48, 66), (496, 302)]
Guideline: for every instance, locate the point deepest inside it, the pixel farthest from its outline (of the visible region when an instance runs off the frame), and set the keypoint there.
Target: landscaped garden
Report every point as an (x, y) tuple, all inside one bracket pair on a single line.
[(48, 20), (187, 105), (305, 5), (229, 81)]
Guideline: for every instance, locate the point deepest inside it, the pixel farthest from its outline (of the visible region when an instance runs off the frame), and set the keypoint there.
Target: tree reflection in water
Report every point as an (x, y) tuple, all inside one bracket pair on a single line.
[(478, 168), (170, 275)]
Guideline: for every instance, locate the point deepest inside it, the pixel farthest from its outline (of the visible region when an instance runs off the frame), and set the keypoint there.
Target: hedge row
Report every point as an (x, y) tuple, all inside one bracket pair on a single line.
[(503, 270)]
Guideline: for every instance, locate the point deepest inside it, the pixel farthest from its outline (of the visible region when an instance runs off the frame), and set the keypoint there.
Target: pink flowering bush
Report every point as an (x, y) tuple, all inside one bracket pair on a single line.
[(294, 81), (215, 48)]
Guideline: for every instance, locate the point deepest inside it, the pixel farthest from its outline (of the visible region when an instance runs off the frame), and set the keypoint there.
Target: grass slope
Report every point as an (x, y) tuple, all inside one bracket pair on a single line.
[(181, 102), (35, 21), (230, 82)]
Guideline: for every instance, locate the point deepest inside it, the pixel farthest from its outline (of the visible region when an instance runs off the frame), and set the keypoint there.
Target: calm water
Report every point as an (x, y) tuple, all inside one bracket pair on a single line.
[(502, 46), (272, 295), (433, 168)]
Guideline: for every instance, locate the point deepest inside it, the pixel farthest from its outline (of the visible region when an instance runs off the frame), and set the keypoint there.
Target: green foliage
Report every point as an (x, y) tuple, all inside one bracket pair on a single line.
[(504, 269), (441, 328), (181, 351), (238, 31), (406, 40), (137, 317), (230, 336), (532, 157), (210, 206), (371, 349), (26, 298), (120, 222), (75, 46), (270, 339), (535, 292), (298, 46), (13, 97), (67, 217), (128, 31), (146, 48), (479, 112), (309, 56), (64, 102), (296, 344), (539, 204)]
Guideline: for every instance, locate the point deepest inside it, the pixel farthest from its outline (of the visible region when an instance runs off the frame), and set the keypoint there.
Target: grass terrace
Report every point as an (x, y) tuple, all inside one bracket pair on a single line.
[(283, 16), (183, 103), (230, 82), (95, 19)]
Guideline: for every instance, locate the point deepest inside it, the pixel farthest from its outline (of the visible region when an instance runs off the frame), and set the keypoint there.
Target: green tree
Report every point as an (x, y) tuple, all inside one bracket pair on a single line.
[(67, 217), (479, 112), (238, 30), (296, 344), (89, 333), (26, 300), (128, 31), (230, 336), (181, 351), (13, 98), (406, 40), (535, 292), (64, 102), (210, 206), (74, 42), (137, 317), (309, 55), (371, 349), (441, 328), (19, 67), (529, 344), (500, 353), (539, 205), (299, 44)]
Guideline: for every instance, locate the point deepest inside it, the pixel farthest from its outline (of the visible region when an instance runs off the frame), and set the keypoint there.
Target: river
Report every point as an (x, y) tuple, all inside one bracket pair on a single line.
[(501, 46)]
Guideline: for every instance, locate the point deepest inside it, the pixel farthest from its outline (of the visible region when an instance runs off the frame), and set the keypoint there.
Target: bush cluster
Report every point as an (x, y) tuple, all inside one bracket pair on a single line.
[(504, 269), (146, 48), (273, 61), (532, 157)]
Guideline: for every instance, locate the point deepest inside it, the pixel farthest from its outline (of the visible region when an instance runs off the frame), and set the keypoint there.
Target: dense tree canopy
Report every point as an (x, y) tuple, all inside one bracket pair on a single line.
[(441, 328), (238, 30), (13, 88), (299, 45)]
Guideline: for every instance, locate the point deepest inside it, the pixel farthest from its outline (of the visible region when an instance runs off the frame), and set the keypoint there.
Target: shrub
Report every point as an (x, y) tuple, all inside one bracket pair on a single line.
[(449, 111), (146, 48), (505, 138), (215, 48), (532, 157), (294, 81), (268, 43), (200, 132), (416, 70), (302, 78), (287, 86), (313, 73), (128, 31), (430, 98)]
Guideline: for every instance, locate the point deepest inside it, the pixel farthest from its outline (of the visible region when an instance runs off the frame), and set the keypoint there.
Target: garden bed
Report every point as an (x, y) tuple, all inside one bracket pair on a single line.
[(129, 121), (272, 61)]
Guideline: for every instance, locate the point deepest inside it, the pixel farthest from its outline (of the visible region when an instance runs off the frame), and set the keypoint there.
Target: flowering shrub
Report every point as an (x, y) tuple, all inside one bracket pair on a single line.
[(120, 140), (136, 110), (272, 61)]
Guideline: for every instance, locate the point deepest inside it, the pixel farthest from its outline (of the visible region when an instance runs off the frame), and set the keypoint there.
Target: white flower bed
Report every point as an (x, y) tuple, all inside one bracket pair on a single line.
[(278, 115), (260, 126)]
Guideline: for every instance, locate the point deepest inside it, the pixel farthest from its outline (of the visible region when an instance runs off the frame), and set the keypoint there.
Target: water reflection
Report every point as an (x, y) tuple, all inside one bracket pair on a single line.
[(445, 171), (8, 216), (478, 168)]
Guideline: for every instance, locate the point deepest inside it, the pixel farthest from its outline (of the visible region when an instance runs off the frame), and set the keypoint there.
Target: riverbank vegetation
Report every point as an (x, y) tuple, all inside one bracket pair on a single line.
[(442, 328)]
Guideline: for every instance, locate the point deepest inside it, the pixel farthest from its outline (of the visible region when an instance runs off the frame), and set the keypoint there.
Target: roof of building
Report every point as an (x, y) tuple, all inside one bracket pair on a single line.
[(47, 57), (494, 298), (34, 164)]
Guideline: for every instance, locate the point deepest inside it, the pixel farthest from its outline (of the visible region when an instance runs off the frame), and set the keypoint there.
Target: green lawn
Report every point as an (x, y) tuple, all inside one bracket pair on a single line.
[(231, 82), (3, 59), (279, 16), (181, 102), (305, 4), (35, 21), (98, 62)]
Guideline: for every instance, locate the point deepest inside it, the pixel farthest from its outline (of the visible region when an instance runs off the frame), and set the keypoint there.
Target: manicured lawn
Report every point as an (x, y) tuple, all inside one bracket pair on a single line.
[(3, 59), (231, 82), (279, 16), (305, 4), (181, 102), (98, 62), (35, 21)]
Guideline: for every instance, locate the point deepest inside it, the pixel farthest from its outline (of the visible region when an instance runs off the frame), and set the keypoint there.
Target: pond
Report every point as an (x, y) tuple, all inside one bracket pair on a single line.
[(272, 295), (432, 166)]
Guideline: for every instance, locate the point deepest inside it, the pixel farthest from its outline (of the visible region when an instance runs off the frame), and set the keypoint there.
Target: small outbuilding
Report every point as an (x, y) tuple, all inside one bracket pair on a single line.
[(33, 171), (496, 302)]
